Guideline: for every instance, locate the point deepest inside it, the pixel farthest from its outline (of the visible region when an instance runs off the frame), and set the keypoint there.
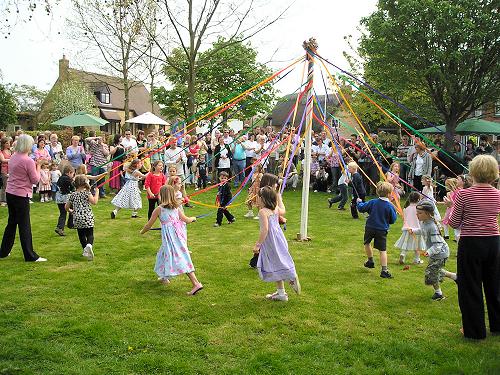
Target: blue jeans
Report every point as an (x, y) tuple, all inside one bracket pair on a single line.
[(238, 168), (97, 171)]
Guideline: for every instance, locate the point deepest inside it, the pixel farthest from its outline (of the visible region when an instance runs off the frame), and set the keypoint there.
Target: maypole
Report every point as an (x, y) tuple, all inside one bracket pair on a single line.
[(310, 46)]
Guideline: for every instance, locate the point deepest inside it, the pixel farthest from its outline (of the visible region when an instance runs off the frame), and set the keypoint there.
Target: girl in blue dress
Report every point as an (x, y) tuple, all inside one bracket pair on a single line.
[(173, 256)]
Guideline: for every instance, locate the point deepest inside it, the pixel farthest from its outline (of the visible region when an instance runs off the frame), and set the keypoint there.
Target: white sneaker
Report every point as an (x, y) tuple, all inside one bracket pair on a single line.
[(40, 259), (88, 252), (418, 261), (42, 199), (256, 218), (249, 214), (31, 202), (276, 297)]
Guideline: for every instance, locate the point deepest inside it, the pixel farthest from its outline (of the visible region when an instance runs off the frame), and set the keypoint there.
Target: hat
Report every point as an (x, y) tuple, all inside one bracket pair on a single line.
[(425, 205)]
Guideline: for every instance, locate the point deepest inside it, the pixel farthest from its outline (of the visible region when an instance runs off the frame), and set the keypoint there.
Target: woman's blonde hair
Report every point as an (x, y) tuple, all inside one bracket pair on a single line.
[(384, 189), (167, 197), (353, 165), (24, 144), (484, 169), (75, 138), (82, 181)]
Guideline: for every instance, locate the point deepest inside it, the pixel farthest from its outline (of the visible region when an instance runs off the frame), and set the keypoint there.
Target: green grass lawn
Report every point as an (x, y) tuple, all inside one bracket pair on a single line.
[(111, 316)]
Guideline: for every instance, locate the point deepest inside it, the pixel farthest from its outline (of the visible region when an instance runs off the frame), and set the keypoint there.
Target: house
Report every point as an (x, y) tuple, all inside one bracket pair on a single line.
[(109, 98), (282, 109), (489, 112)]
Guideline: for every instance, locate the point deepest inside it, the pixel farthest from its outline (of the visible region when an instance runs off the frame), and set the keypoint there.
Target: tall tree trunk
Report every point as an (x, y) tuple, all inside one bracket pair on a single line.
[(126, 89), (191, 95), (449, 140)]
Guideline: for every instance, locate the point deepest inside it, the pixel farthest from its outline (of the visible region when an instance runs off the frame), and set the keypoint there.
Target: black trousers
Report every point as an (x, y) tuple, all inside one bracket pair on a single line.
[(478, 267), (354, 209), (202, 181), (248, 163), (86, 236), (417, 183), (152, 204), (62, 217), (224, 212), (19, 215), (342, 197)]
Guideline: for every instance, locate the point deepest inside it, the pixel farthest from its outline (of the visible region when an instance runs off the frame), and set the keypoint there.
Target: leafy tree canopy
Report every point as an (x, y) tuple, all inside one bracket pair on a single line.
[(7, 108), (445, 51), (28, 98), (70, 97)]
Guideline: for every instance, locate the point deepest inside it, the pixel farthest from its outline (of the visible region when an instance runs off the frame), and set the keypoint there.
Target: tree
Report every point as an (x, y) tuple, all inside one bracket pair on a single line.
[(28, 98), (195, 26), (69, 97), (445, 50), (116, 31), (7, 108)]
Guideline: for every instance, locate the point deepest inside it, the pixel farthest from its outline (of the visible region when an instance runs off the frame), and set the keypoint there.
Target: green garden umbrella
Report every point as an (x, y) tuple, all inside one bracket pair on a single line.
[(478, 126), (80, 119), (433, 130)]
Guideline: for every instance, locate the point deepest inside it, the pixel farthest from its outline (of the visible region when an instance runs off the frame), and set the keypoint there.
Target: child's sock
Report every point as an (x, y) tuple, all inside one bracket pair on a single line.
[(446, 231), (438, 291), (384, 268), (281, 292), (370, 259)]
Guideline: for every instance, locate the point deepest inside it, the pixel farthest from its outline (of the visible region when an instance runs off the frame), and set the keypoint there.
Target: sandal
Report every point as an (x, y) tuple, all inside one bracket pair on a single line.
[(164, 281), (195, 290)]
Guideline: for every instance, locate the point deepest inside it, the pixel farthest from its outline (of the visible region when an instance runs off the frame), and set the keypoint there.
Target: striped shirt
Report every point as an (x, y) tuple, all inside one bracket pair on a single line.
[(476, 211)]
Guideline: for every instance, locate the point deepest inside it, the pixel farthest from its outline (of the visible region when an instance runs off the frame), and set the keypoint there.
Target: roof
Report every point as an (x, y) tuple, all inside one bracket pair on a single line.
[(139, 97), (281, 110), (110, 114)]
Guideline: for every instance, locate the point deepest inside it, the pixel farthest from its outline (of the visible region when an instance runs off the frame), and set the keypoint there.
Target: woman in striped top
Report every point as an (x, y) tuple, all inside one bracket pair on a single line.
[(475, 211)]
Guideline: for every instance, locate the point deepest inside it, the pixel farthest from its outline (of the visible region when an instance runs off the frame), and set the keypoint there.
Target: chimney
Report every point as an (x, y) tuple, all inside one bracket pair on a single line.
[(63, 68)]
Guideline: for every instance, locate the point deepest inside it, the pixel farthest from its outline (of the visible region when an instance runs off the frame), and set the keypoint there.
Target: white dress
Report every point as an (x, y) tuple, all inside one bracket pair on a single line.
[(129, 196)]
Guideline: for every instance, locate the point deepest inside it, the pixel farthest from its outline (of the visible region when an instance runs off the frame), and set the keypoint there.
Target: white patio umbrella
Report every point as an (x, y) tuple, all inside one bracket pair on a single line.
[(148, 118)]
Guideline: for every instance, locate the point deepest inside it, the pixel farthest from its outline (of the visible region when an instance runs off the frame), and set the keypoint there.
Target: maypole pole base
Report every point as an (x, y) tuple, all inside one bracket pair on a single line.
[(300, 239)]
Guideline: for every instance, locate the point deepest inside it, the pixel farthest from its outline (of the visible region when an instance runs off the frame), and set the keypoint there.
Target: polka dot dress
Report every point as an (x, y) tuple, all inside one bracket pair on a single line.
[(130, 195), (82, 212)]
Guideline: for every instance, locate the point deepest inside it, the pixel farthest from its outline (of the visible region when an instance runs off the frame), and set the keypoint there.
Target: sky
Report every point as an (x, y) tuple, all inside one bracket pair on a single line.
[(32, 50)]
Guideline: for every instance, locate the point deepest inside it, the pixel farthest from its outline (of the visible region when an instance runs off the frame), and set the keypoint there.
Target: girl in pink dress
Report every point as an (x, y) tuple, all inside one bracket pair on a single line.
[(393, 178), (408, 241), (45, 183)]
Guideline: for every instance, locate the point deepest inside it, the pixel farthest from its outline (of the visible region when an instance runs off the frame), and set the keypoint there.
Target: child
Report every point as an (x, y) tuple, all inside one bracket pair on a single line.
[(408, 242), (173, 256), (130, 195), (451, 185), (176, 183), (64, 188), (393, 178), (342, 196), (154, 181), (202, 172), (382, 214), (463, 182), (223, 197), (45, 184), (79, 204), (55, 173), (173, 173), (274, 263), (321, 180), (428, 193), (435, 245), (314, 167), (253, 191), (358, 187)]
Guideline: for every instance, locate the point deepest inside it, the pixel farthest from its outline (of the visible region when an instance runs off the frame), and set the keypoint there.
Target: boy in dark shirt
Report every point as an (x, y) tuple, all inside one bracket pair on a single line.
[(382, 215), (202, 172), (64, 188), (358, 187), (223, 198)]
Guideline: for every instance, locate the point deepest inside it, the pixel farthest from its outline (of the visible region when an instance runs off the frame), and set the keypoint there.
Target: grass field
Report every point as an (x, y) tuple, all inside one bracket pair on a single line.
[(111, 316)]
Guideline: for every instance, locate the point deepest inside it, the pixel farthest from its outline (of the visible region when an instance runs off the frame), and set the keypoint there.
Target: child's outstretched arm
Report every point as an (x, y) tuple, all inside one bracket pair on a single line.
[(186, 219), (139, 175), (280, 206), (93, 199), (264, 229), (151, 221)]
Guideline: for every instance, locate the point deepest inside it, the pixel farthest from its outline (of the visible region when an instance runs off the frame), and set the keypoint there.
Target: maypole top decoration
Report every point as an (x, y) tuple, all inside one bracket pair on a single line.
[(310, 45)]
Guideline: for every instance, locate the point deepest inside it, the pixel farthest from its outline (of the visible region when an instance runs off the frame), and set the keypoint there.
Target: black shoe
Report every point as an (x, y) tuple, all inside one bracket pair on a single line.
[(341, 209), (113, 216), (330, 202), (437, 297), (59, 232), (385, 275), (232, 221), (446, 237), (369, 264), (253, 261)]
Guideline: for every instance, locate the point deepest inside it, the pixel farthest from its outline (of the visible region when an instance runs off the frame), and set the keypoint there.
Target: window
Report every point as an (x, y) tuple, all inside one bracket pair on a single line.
[(104, 98), (478, 112), (497, 108)]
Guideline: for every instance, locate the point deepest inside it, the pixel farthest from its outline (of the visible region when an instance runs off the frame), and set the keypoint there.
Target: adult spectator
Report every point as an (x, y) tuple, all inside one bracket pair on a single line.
[(141, 141), (470, 151), (238, 161), (177, 157), (261, 149), (223, 156), (117, 153), (75, 152), (496, 151), (475, 211), (41, 152), (335, 169), (152, 145), (249, 144), (421, 165), (325, 140), (353, 148), (5, 155), (484, 147), (23, 174), (390, 152), (129, 144), (99, 152), (227, 138), (55, 149), (321, 150)]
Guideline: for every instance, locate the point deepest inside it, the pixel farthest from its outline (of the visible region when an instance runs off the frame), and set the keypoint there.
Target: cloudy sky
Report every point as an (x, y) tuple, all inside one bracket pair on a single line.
[(32, 50)]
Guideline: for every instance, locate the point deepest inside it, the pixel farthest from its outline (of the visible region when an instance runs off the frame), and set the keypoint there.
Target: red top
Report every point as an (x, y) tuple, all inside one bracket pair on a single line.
[(475, 211), (194, 149), (154, 183), (5, 164)]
